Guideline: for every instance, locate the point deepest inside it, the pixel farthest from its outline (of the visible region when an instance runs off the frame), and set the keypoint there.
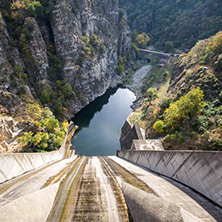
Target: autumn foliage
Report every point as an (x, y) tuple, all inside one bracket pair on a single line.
[(181, 111)]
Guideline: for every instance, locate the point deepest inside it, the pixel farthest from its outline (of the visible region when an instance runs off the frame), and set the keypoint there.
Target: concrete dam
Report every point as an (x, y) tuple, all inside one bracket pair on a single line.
[(135, 185)]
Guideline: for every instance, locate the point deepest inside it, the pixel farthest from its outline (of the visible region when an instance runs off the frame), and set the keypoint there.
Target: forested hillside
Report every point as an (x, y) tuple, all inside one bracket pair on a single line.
[(183, 22), (188, 111)]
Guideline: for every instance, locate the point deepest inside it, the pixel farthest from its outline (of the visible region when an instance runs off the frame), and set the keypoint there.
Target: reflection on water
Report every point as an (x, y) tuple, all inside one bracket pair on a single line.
[(100, 123)]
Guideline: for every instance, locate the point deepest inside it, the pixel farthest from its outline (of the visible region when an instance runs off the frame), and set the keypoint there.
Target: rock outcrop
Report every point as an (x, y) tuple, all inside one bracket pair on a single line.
[(38, 48), (9, 132)]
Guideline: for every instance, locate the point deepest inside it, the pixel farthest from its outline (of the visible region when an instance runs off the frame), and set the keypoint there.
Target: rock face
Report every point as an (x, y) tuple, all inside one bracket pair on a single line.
[(6, 51), (38, 48), (9, 132), (124, 41), (86, 36)]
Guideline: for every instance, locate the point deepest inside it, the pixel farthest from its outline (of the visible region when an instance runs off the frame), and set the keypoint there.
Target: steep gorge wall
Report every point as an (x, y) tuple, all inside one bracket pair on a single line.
[(88, 66), (87, 38)]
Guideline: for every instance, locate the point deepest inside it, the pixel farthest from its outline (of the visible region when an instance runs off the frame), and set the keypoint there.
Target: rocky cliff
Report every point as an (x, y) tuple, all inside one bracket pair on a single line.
[(78, 41), (86, 36), (61, 53)]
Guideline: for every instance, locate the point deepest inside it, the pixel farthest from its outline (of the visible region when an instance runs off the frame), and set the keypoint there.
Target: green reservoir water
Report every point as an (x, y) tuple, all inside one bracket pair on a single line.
[(100, 123)]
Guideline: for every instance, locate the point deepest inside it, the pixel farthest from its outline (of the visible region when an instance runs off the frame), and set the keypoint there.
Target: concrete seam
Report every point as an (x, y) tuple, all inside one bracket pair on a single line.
[(182, 164)]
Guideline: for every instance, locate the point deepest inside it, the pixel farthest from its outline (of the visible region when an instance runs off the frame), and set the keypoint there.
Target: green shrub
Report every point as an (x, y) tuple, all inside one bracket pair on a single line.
[(120, 69), (58, 142), (174, 137), (84, 101), (51, 125), (158, 126), (81, 59), (94, 40), (218, 63), (67, 90), (45, 96), (217, 143)]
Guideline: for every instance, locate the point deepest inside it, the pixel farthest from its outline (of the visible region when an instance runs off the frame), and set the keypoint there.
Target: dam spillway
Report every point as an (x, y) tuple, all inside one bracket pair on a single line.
[(82, 188), (63, 186)]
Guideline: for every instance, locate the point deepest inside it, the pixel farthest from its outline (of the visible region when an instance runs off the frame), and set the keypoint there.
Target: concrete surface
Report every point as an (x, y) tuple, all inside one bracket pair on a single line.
[(154, 144), (89, 193), (30, 183), (201, 171), (147, 207), (190, 203), (13, 165), (93, 189), (33, 207)]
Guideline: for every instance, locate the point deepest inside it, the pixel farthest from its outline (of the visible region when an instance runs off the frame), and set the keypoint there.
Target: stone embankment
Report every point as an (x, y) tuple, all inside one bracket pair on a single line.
[(136, 86), (138, 78)]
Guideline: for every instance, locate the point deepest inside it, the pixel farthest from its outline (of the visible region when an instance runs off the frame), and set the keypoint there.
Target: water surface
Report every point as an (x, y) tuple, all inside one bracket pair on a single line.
[(100, 123)]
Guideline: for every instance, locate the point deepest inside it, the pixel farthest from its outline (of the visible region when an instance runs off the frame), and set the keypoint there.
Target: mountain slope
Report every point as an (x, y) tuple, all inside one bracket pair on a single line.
[(182, 22), (189, 115)]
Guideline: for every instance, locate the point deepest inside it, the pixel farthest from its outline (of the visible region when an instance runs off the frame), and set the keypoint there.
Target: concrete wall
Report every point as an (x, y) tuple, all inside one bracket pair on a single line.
[(128, 134), (15, 164), (201, 171)]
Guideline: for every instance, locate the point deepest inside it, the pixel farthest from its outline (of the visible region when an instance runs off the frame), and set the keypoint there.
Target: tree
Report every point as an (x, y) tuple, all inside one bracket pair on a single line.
[(186, 108), (67, 90), (51, 125), (142, 40), (45, 96), (120, 69), (135, 50), (34, 110), (134, 34), (158, 126), (215, 46), (169, 47), (218, 63)]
